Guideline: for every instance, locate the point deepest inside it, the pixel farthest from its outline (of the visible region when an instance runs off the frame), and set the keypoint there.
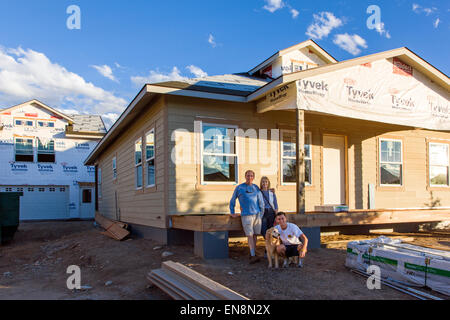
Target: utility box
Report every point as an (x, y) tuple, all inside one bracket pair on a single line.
[(9, 215)]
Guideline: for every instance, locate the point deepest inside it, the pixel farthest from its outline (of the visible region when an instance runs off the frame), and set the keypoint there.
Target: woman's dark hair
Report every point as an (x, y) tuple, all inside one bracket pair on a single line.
[(281, 213)]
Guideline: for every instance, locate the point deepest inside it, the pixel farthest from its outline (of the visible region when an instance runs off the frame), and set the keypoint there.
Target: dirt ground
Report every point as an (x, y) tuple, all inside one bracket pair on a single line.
[(34, 266)]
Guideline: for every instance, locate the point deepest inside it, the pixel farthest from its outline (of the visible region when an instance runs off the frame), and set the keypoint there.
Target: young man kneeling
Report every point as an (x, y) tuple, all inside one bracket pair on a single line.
[(294, 243)]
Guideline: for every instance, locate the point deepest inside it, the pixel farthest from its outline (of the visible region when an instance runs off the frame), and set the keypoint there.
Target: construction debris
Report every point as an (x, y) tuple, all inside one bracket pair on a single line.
[(113, 229), (182, 283), (400, 262)]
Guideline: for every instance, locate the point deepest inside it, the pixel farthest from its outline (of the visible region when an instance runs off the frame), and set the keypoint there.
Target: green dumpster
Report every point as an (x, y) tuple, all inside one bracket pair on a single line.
[(9, 214)]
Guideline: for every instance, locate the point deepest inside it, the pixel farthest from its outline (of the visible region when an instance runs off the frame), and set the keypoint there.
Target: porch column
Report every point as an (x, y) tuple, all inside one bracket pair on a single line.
[(300, 154)]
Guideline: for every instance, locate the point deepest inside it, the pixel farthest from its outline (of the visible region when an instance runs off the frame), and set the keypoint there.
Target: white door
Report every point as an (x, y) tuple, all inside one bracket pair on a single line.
[(87, 203), (42, 202), (334, 170)]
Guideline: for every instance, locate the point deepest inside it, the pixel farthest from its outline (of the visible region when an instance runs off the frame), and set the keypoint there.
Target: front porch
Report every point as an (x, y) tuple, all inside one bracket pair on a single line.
[(211, 231)]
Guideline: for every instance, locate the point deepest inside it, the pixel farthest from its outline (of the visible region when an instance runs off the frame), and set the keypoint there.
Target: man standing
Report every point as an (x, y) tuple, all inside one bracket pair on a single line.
[(252, 209), (290, 236)]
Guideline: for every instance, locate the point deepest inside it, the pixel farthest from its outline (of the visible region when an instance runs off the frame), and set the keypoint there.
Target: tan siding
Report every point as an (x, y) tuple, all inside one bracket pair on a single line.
[(146, 207), (362, 137)]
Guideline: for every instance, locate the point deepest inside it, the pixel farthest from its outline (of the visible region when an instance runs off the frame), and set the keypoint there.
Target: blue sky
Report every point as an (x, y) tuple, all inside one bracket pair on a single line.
[(122, 44)]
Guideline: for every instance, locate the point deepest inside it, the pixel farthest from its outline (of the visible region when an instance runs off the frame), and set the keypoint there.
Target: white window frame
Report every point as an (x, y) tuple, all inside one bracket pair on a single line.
[(37, 150), (147, 160), (236, 154), (19, 125), (282, 157), (137, 165), (33, 145), (388, 162), (430, 165), (114, 168)]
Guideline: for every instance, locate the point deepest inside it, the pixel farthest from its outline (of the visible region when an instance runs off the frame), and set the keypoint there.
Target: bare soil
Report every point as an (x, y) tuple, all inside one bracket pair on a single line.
[(34, 266)]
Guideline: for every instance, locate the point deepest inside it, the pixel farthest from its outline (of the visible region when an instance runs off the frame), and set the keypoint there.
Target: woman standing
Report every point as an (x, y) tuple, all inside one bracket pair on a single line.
[(270, 205)]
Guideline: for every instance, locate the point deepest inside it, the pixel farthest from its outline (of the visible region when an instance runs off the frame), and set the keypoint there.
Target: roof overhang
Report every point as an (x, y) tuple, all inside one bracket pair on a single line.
[(148, 93)]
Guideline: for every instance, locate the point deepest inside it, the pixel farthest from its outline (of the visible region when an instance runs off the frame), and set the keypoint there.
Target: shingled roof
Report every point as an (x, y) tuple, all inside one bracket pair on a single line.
[(88, 123)]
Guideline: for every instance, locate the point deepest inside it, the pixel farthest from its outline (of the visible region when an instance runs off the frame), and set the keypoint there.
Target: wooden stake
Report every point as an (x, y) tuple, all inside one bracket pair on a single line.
[(300, 153)]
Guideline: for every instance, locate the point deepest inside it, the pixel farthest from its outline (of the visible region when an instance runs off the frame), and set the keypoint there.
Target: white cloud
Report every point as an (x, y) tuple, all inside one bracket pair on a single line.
[(273, 5), (105, 71), (196, 71), (323, 24), (436, 22), (212, 41), (382, 31), (419, 9), (28, 74), (350, 43), (294, 13), (156, 76)]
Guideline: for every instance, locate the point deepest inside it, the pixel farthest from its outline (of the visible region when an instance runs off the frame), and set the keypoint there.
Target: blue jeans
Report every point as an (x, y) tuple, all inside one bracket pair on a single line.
[(267, 221)]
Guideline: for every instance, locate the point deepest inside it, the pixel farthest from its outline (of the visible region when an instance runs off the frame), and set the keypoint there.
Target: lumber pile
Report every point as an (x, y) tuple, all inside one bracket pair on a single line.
[(183, 283), (114, 229)]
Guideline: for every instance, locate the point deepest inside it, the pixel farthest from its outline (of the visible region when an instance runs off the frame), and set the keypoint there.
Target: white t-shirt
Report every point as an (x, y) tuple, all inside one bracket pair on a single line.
[(291, 234)]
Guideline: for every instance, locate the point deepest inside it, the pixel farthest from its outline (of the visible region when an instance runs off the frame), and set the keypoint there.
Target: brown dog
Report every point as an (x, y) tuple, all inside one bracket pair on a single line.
[(272, 241)]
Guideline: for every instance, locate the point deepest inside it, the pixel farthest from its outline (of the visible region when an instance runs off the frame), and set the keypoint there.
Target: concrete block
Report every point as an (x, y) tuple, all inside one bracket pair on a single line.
[(313, 235), (211, 245)]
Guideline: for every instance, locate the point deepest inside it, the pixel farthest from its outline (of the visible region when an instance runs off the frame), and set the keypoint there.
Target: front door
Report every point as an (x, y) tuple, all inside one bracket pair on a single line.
[(334, 180), (87, 203)]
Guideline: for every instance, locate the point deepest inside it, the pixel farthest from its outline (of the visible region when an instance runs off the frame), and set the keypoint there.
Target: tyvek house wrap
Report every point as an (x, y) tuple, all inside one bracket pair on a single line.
[(417, 266)]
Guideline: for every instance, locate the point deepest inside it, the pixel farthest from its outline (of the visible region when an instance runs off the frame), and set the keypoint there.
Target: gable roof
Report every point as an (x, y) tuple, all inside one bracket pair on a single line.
[(310, 44), (403, 54), (42, 105)]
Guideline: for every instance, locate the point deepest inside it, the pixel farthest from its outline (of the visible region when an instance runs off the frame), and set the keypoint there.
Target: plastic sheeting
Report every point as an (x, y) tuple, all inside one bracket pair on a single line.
[(414, 265)]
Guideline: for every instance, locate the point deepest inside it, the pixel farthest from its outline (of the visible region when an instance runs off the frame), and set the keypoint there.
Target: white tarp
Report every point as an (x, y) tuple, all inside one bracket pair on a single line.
[(417, 266), (387, 91)]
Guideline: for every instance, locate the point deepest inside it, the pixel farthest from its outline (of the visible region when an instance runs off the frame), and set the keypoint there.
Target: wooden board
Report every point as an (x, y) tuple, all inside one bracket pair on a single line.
[(105, 222), (113, 229), (173, 293), (220, 291), (188, 288), (209, 223)]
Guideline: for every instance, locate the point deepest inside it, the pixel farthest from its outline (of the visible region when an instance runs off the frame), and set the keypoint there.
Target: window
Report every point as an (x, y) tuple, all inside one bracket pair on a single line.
[(87, 196), (18, 123), (62, 189), (45, 124), (219, 156), (30, 189), (138, 162), (114, 167), (29, 123), (391, 162), (439, 164), (99, 182), (46, 151), (52, 189), (150, 157), (289, 158), (24, 150), (41, 189)]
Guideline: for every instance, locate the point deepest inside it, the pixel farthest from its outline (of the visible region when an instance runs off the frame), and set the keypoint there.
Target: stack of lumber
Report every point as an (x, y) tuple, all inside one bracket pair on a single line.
[(113, 229), (183, 283)]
